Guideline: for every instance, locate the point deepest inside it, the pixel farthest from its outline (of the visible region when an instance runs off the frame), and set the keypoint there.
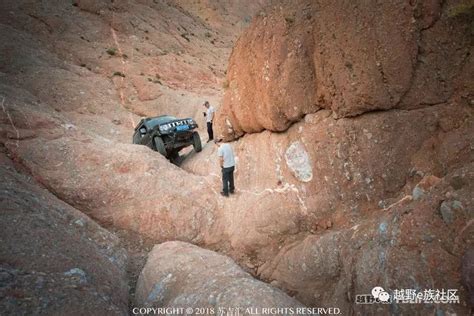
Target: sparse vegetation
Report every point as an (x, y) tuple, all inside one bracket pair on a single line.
[(111, 51), (119, 74), (155, 80), (290, 20), (225, 84), (208, 34), (185, 36), (462, 8)]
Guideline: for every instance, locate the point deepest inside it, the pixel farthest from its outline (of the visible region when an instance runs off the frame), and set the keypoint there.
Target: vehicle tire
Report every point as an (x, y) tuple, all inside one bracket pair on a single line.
[(197, 142), (174, 157), (159, 145)]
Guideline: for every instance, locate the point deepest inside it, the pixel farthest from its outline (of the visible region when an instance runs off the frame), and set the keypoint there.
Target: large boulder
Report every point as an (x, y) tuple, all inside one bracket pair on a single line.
[(349, 57), (182, 275), (54, 260)]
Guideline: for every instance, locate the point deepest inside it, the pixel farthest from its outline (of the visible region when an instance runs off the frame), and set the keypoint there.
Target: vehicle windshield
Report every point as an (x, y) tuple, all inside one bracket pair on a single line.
[(159, 120)]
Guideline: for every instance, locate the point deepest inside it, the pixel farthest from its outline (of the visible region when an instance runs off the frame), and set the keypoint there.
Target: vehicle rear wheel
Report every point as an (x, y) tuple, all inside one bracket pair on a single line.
[(159, 145), (197, 142)]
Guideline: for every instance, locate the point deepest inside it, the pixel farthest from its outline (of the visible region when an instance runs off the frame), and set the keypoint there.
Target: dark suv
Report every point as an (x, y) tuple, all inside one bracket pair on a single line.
[(167, 135)]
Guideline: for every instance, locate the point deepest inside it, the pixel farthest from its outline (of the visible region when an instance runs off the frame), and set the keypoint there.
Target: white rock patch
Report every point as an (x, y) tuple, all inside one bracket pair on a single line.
[(230, 128), (298, 161)]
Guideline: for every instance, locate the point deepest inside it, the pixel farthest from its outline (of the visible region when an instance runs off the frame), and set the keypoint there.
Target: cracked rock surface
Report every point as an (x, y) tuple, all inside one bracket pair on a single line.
[(349, 57), (178, 274), (53, 258), (352, 124)]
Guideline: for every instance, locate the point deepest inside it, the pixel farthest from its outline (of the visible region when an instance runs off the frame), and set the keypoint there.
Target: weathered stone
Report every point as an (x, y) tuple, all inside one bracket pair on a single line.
[(298, 161), (468, 273), (391, 252), (50, 266), (312, 190), (287, 65), (178, 274), (417, 193), (450, 210)]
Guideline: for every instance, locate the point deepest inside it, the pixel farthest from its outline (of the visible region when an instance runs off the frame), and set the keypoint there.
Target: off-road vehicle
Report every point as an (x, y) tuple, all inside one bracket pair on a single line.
[(167, 134)]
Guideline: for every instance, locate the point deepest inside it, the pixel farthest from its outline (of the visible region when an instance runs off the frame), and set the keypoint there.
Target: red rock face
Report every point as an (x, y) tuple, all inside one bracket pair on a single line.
[(53, 257), (410, 243), (349, 57), (331, 200), (75, 77), (344, 170), (138, 192)]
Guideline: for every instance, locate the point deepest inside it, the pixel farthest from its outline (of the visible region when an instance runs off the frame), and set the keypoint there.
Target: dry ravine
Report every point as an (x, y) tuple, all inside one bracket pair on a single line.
[(352, 125)]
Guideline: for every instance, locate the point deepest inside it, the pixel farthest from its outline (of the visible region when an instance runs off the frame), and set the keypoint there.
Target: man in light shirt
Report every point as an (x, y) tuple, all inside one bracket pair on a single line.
[(227, 163), (209, 114)]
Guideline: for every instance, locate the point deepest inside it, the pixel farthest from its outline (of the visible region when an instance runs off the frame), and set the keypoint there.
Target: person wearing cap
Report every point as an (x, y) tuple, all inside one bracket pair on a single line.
[(227, 164), (209, 114)]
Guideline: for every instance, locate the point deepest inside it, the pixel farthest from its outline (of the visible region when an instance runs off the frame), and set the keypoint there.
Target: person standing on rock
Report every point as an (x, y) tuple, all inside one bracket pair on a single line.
[(209, 114), (227, 163)]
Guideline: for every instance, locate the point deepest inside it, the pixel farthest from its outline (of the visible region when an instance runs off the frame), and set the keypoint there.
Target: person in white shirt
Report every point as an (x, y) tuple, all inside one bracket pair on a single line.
[(209, 114), (227, 163)]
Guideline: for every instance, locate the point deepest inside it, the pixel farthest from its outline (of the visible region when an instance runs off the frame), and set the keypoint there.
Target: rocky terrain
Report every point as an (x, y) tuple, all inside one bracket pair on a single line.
[(349, 58), (53, 257), (352, 124), (192, 277)]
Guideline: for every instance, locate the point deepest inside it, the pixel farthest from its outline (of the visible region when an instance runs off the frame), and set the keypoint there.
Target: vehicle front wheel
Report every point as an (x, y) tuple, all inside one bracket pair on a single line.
[(197, 142), (159, 145)]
